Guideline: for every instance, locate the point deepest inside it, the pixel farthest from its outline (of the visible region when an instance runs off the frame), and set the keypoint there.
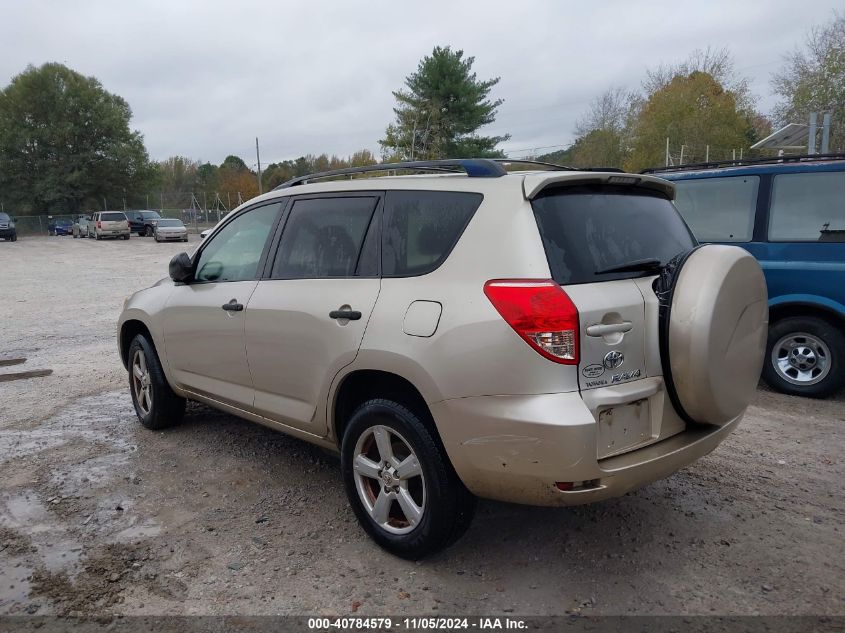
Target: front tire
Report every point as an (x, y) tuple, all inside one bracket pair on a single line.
[(400, 483), (156, 405), (148, 231), (805, 356)]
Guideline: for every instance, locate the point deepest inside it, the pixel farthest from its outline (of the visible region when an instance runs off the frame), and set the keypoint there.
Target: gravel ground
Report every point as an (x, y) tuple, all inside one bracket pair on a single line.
[(218, 516)]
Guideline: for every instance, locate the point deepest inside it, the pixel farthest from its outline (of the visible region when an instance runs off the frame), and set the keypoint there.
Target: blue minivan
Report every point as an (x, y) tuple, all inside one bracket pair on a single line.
[(790, 214)]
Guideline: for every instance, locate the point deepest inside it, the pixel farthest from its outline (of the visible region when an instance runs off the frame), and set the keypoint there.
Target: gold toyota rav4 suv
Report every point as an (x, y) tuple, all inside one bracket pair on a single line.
[(548, 337)]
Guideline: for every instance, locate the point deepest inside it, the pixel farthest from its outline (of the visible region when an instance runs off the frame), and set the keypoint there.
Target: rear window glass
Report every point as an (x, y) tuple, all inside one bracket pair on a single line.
[(112, 217), (4, 217), (590, 229), (169, 223), (422, 227), (719, 209), (808, 208)]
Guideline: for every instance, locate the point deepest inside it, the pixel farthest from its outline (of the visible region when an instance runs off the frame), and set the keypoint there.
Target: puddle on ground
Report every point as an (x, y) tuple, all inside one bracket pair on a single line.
[(73, 479)]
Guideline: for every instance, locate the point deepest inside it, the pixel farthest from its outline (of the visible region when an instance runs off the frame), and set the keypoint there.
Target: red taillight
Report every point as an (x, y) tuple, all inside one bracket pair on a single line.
[(99, 224), (541, 313)]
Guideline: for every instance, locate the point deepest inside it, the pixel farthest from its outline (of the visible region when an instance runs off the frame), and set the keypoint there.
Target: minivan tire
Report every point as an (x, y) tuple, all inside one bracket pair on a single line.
[(824, 342), (447, 506), (166, 409)]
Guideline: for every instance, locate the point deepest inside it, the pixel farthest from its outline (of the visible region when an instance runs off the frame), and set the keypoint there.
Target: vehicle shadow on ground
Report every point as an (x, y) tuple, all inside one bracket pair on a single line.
[(613, 531)]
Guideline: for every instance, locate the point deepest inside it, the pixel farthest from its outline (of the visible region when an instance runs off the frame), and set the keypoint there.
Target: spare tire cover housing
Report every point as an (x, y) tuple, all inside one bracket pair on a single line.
[(718, 323)]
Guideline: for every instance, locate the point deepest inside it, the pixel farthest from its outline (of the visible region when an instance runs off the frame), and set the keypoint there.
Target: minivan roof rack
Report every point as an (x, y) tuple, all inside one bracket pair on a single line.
[(741, 162), (474, 168)]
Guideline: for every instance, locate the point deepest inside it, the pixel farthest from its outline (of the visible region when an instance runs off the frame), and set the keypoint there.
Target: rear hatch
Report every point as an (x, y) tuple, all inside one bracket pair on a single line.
[(605, 243), (113, 221)]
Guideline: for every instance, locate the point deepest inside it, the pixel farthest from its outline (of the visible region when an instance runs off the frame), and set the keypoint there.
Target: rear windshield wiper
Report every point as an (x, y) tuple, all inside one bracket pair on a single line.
[(633, 266)]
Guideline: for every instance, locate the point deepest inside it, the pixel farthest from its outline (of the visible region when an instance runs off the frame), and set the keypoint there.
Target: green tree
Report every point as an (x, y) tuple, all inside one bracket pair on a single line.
[(695, 111), (813, 80), (65, 143), (602, 134), (439, 112)]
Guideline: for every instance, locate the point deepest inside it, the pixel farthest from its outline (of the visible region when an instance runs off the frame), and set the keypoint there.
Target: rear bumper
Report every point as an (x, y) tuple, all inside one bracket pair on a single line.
[(515, 449)]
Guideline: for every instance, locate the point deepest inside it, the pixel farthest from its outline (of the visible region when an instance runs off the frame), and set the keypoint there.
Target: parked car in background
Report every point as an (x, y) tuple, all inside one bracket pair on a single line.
[(143, 222), (170, 230), (790, 214), (8, 231), (109, 224), (81, 225), (540, 337), (60, 226), (204, 233)]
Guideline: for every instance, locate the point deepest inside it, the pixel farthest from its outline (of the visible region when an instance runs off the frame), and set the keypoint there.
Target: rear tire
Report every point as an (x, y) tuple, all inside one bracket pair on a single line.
[(805, 356), (400, 483), (156, 405)]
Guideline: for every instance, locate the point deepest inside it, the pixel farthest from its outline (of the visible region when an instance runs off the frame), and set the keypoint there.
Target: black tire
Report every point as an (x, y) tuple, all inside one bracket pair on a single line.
[(167, 409), (448, 507), (832, 338), (148, 231), (126, 237)]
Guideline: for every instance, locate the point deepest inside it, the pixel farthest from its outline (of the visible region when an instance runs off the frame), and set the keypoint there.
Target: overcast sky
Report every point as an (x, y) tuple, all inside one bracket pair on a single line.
[(204, 78)]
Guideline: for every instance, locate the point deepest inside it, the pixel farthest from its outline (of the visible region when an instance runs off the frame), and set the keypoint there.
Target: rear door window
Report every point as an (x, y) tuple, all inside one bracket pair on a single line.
[(589, 229), (323, 237), (808, 207), (422, 227), (719, 209)]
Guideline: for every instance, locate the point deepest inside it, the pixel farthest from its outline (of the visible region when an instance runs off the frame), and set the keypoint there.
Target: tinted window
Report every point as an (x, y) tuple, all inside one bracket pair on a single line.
[(808, 207), (323, 237), (112, 217), (169, 223), (4, 217), (719, 209), (587, 229), (422, 227), (148, 215), (234, 252)]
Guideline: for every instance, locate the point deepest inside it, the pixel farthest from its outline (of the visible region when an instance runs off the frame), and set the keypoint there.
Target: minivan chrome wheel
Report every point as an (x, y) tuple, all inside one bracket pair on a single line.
[(801, 359), (141, 382), (389, 479)]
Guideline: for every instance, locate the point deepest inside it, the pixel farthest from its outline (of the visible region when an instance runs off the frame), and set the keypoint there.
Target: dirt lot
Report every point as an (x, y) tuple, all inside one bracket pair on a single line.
[(98, 515)]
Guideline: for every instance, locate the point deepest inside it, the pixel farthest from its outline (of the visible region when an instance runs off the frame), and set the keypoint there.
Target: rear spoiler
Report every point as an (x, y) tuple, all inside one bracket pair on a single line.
[(534, 183)]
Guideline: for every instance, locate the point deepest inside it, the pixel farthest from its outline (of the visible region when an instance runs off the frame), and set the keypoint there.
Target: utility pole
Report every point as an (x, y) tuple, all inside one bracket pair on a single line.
[(707, 154), (667, 151), (681, 160), (826, 133), (258, 159)]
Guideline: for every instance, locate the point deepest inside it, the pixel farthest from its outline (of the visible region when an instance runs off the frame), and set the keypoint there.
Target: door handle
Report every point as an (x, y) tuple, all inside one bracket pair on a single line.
[(233, 306), (352, 315), (603, 329)]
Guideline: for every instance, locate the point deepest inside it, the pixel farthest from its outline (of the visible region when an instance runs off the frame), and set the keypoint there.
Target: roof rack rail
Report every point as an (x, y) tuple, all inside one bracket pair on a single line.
[(774, 160), (474, 168), (554, 166)]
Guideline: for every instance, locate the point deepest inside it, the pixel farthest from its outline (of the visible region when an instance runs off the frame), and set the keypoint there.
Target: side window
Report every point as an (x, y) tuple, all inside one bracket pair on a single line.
[(808, 207), (323, 237), (422, 227), (719, 209), (233, 254)]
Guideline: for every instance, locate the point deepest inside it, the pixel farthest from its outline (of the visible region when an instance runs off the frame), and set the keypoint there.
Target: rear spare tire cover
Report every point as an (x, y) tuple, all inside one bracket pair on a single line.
[(718, 323)]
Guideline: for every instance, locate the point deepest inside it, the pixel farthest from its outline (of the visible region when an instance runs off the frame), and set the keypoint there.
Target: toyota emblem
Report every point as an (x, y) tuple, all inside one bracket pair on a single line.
[(613, 359)]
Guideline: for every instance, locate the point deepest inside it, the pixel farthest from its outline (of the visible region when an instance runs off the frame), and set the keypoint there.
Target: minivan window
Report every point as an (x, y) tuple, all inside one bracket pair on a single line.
[(422, 227), (233, 253), (808, 207), (322, 237), (112, 217), (593, 228), (719, 209)]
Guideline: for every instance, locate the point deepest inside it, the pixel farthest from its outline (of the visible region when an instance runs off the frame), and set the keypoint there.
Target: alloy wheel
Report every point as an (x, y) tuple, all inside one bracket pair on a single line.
[(141, 383), (389, 479), (801, 359)]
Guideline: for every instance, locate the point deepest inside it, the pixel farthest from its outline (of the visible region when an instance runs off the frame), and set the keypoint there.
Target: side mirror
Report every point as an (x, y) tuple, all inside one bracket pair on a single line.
[(181, 267)]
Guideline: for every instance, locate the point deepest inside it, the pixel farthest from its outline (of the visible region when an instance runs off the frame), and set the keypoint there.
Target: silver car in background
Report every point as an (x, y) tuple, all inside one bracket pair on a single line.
[(170, 230)]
